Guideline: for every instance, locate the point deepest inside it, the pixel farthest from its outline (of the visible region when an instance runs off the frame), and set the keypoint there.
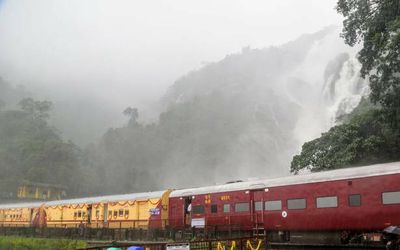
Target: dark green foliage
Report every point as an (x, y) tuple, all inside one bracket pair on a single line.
[(377, 25), (365, 139)]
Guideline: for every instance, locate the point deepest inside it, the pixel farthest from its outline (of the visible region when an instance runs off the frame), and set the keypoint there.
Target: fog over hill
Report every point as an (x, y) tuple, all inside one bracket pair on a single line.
[(242, 117), (277, 98)]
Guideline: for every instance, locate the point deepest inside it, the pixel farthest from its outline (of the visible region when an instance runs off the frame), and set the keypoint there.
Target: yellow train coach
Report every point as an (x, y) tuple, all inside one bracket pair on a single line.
[(138, 210), (20, 214)]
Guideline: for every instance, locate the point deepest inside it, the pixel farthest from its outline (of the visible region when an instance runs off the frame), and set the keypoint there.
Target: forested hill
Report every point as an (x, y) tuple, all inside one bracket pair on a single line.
[(242, 117), (30, 149)]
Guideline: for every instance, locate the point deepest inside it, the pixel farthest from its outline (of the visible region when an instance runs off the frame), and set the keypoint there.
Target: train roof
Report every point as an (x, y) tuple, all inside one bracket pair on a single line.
[(332, 175), (108, 198), (88, 200), (21, 205)]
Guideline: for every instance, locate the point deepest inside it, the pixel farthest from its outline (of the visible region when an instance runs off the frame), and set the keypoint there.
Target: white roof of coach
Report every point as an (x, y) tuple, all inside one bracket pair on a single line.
[(340, 174), (108, 198), (21, 205)]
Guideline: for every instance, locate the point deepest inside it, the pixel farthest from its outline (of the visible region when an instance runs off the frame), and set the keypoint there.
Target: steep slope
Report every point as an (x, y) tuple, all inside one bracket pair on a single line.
[(286, 95), (242, 117)]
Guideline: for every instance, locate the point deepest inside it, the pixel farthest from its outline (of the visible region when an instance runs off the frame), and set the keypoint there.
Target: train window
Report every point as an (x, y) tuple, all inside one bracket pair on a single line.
[(214, 208), (115, 213), (97, 213), (242, 207), (273, 205), (328, 201), (391, 197), (83, 214), (199, 209), (355, 200), (121, 213), (75, 214), (296, 203), (227, 208), (258, 205), (126, 213), (79, 214), (110, 213)]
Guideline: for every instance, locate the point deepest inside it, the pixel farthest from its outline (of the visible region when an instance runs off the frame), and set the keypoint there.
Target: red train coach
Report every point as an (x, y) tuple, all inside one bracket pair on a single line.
[(333, 203)]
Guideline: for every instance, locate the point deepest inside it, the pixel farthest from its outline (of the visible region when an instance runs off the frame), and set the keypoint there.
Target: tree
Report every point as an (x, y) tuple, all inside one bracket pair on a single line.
[(133, 115), (38, 109), (376, 23), (32, 150), (366, 139)]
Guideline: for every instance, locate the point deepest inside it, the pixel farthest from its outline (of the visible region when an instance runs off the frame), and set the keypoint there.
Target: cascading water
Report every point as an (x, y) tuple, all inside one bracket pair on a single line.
[(344, 92), (331, 76), (276, 99)]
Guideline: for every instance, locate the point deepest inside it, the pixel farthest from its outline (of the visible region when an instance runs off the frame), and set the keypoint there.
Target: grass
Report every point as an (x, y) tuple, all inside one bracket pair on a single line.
[(18, 243)]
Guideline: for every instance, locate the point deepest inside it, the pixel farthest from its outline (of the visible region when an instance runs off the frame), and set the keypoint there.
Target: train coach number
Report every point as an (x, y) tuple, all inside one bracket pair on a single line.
[(225, 198)]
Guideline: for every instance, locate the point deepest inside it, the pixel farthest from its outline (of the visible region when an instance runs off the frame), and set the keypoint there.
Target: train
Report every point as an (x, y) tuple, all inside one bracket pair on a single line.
[(324, 206)]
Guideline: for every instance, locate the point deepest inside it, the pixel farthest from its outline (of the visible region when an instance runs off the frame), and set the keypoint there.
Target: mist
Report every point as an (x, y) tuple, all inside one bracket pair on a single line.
[(218, 91), (95, 58)]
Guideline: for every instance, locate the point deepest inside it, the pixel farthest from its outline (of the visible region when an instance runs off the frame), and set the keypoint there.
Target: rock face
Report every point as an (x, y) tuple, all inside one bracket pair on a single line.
[(258, 107)]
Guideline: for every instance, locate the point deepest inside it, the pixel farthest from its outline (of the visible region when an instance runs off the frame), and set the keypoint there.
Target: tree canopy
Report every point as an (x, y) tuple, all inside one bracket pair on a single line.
[(31, 150), (376, 24), (371, 133)]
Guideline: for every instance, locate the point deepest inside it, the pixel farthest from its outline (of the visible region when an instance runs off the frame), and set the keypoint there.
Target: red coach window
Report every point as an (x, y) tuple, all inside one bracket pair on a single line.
[(258, 205), (214, 208), (199, 209), (227, 208), (242, 207), (296, 203), (326, 202), (273, 205), (391, 197), (355, 200)]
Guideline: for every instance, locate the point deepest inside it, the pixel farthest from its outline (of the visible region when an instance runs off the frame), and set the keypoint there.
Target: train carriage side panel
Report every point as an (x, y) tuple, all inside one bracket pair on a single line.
[(341, 216), (317, 201), (20, 214)]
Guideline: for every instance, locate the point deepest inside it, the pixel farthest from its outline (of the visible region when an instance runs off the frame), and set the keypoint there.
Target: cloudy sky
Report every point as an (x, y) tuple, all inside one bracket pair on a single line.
[(129, 51)]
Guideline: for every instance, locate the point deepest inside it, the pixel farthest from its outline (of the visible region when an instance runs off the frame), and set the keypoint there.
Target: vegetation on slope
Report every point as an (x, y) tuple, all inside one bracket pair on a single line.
[(31, 150), (372, 133)]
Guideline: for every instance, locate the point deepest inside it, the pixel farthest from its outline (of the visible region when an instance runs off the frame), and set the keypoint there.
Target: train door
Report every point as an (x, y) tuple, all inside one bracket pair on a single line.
[(257, 211), (105, 213), (89, 214), (31, 215), (187, 211)]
